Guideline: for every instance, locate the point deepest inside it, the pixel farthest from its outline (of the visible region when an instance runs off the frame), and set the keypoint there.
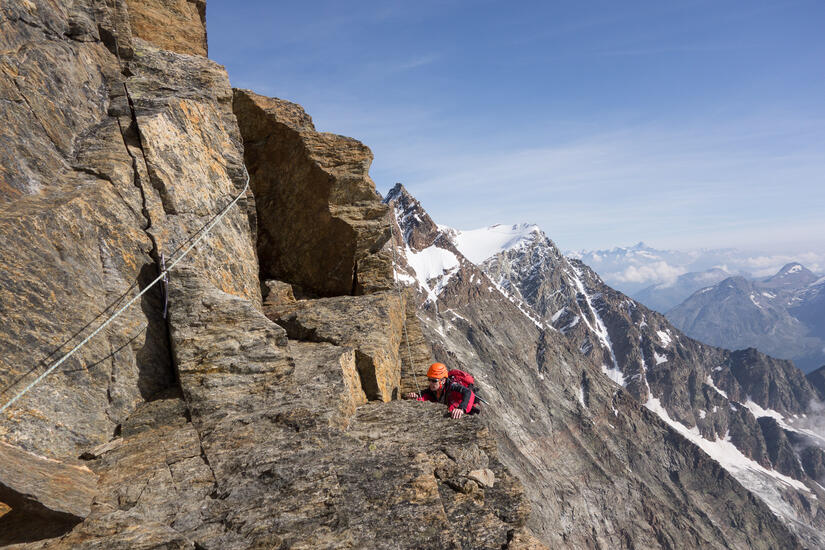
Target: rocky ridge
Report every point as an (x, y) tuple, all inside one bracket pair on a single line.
[(583, 447), (212, 415), (781, 315), (715, 397)]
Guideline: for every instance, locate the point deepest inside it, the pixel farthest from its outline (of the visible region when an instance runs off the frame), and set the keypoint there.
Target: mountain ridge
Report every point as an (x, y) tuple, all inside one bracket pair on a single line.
[(449, 320), (780, 315)]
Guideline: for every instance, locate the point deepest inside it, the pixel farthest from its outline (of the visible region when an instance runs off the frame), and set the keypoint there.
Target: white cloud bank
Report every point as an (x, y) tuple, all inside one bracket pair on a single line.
[(656, 272)]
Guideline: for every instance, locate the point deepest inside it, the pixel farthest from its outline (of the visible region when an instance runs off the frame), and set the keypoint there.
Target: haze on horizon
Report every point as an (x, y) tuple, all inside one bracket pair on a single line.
[(691, 126)]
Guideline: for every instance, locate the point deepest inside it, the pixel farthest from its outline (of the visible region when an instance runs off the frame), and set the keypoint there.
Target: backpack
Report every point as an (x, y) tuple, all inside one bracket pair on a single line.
[(464, 378)]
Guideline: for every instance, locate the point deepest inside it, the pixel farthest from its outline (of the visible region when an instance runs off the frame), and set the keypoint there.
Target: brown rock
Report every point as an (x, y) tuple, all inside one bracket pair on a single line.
[(523, 540), (416, 356), (321, 222), (87, 212), (372, 325), (277, 293), (485, 477), (72, 229), (182, 111), (174, 25), (40, 486)]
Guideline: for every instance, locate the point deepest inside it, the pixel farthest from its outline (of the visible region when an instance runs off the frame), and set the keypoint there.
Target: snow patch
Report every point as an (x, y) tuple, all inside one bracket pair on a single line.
[(432, 263), (702, 413), (753, 476), (600, 329), (759, 412), (404, 278), (753, 299), (709, 381), (614, 374), (664, 337), (558, 314), (659, 358), (571, 324), (478, 245)]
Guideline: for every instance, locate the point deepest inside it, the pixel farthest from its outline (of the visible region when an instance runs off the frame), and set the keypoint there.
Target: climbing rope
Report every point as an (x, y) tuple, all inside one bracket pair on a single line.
[(401, 299), (204, 232)]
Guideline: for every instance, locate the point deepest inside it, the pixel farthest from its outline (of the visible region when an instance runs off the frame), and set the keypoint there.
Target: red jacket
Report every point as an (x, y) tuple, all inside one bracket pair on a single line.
[(453, 394)]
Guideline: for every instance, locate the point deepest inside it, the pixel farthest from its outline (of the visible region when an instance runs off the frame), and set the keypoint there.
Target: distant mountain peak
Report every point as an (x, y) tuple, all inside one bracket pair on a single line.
[(791, 275), (790, 268)]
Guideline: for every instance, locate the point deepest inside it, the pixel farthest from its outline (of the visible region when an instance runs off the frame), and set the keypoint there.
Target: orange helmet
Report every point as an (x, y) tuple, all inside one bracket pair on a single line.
[(437, 370)]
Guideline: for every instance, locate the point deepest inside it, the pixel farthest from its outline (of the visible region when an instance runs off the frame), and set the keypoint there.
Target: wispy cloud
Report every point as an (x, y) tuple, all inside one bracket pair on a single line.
[(720, 184)]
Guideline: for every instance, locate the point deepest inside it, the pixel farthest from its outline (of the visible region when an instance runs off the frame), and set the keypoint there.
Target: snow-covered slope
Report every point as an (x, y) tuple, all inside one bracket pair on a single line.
[(478, 245)]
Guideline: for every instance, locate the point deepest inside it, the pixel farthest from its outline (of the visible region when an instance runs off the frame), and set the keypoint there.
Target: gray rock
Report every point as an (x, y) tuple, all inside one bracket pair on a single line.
[(597, 468)]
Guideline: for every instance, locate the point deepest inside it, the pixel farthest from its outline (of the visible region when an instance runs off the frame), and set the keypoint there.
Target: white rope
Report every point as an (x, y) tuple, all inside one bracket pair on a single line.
[(133, 300)]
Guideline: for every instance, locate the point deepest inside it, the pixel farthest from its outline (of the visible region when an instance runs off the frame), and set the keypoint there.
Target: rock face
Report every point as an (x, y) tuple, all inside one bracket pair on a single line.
[(55, 495), (272, 451), (371, 325), (127, 170), (174, 25), (325, 222), (817, 380), (599, 469), (210, 427)]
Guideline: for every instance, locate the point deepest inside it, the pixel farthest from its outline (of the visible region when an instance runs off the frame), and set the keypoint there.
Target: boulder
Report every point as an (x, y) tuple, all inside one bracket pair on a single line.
[(321, 222), (371, 325), (41, 493)]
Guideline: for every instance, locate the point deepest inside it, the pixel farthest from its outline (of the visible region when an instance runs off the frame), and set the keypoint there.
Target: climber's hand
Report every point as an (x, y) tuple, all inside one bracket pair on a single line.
[(411, 395), (457, 413)]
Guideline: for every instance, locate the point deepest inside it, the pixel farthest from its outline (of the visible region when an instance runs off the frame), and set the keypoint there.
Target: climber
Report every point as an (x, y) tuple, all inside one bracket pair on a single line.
[(459, 398)]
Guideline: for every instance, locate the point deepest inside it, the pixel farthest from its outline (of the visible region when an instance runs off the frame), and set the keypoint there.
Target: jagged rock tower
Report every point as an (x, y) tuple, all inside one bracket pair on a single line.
[(238, 419)]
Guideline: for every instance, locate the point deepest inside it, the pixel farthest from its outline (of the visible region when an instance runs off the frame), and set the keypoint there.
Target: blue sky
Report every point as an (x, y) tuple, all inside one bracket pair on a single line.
[(689, 124)]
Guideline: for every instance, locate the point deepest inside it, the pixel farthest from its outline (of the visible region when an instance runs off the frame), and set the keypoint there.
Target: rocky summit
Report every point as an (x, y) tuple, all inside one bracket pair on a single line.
[(252, 399)]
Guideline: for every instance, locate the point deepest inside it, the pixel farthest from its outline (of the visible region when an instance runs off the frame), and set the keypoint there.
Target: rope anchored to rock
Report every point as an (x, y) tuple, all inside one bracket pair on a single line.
[(204, 231)]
